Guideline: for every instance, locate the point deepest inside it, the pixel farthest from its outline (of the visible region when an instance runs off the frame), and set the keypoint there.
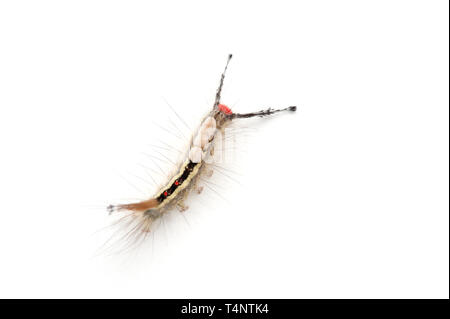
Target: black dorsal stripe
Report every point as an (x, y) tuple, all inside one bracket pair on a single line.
[(178, 182)]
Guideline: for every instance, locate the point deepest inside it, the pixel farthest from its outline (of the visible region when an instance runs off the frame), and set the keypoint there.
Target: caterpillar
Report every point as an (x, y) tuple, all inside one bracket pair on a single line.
[(143, 214)]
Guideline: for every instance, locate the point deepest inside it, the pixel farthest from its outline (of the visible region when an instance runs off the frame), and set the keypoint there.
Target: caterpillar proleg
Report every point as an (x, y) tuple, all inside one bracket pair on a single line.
[(173, 193)]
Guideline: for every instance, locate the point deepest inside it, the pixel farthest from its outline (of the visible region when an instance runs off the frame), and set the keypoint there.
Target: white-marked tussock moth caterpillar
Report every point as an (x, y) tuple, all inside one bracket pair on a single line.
[(172, 194)]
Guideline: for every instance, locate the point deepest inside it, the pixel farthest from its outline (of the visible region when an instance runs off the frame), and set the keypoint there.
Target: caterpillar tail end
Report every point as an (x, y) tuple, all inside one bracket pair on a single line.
[(135, 207)]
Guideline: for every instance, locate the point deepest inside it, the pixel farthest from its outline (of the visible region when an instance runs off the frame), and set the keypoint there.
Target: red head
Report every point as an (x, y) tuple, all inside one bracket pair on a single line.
[(225, 109)]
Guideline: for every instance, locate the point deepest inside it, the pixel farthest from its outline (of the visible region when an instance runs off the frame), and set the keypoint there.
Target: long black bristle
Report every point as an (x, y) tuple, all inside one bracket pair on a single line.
[(262, 113)]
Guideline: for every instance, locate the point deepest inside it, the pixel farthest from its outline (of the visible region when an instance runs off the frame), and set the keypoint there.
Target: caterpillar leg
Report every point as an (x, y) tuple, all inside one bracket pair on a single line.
[(209, 173), (182, 207), (146, 227), (199, 189)]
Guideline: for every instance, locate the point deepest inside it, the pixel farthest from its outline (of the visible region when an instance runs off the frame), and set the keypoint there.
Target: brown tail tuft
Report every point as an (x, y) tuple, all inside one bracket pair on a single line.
[(137, 207)]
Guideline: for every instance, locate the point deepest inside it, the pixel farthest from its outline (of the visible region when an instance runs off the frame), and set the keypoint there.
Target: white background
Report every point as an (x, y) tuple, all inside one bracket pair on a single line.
[(347, 198)]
